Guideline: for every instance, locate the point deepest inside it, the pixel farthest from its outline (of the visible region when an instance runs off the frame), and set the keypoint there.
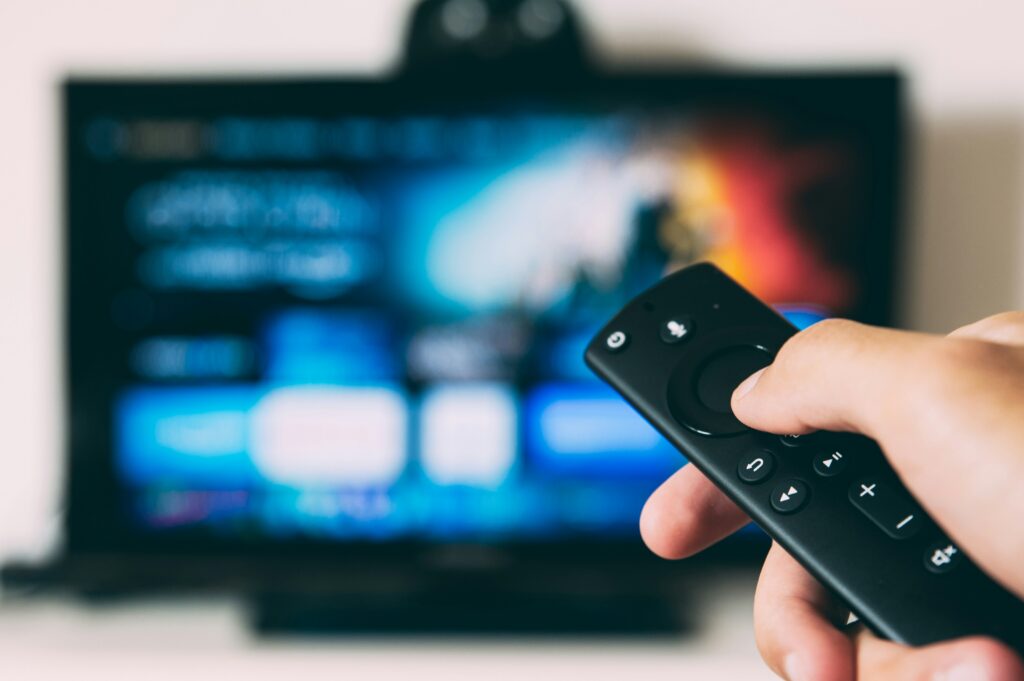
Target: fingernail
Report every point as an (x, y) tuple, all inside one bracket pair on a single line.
[(747, 385), (963, 672), (791, 665)]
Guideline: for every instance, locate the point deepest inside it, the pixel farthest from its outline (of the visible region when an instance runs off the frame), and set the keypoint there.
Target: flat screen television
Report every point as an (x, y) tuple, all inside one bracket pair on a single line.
[(340, 322)]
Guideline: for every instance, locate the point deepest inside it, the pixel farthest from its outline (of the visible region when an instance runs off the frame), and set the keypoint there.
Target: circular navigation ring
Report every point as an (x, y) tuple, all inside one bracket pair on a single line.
[(701, 385)]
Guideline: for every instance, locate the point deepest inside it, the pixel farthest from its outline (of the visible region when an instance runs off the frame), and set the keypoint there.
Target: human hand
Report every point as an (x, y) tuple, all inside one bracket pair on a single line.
[(924, 399)]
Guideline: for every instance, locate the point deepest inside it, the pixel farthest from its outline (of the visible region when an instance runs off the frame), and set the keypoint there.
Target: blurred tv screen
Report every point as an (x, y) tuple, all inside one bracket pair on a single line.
[(353, 312)]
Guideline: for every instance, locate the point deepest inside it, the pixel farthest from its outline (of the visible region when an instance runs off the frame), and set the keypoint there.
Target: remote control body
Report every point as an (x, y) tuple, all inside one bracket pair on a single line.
[(677, 351)]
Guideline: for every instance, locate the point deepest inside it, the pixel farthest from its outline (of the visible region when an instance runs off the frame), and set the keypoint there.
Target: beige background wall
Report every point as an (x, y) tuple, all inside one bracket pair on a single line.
[(966, 61)]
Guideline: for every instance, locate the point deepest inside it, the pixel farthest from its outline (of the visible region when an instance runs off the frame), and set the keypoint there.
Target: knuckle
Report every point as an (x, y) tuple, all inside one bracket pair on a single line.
[(950, 366), (1004, 327), (826, 331), (998, 320), (811, 339), (1010, 317), (829, 328), (954, 357)]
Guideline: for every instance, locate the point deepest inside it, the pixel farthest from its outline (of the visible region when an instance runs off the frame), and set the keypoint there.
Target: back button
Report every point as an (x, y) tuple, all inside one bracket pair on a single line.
[(755, 467)]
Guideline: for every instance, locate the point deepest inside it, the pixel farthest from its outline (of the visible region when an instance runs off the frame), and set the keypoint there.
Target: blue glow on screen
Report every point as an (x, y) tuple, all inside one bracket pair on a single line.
[(186, 436), (345, 346), (286, 455), (802, 316), (587, 431), (396, 348)]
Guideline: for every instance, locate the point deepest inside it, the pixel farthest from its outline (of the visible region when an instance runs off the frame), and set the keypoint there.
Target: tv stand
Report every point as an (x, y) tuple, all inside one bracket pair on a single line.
[(490, 613)]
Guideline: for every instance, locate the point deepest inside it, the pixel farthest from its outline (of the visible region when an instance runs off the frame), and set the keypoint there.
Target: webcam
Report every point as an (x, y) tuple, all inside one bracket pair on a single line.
[(494, 34)]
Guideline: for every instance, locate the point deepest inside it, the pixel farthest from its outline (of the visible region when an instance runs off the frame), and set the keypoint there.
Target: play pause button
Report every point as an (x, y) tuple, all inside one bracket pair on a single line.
[(829, 463), (790, 496)]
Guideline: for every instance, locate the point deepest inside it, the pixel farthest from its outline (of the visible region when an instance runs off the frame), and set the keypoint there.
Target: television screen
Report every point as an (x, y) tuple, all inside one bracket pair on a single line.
[(353, 313)]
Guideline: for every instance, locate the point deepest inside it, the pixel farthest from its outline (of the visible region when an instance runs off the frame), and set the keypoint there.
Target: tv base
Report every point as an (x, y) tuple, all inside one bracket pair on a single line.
[(446, 614)]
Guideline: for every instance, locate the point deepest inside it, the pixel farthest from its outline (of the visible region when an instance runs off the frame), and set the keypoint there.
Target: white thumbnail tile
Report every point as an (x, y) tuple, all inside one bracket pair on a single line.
[(468, 435), (330, 436)]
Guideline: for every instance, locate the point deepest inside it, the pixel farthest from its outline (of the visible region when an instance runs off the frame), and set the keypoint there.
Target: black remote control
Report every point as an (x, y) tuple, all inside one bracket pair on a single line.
[(676, 353)]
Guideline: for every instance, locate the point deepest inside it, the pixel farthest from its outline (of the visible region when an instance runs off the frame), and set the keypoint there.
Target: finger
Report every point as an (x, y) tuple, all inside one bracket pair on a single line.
[(835, 375), (1006, 328), (796, 618), (966, 659), (795, 622), (687, 514), (921, 397)]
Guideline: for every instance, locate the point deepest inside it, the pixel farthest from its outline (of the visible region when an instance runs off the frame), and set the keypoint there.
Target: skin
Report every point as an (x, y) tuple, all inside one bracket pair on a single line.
[(935, 405)]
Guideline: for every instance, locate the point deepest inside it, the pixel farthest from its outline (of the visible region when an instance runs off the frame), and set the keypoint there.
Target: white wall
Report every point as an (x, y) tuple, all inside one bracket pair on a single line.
[(965, 59)]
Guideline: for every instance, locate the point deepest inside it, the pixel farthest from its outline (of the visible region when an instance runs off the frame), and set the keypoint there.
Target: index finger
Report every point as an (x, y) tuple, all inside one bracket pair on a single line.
[(686, 514)]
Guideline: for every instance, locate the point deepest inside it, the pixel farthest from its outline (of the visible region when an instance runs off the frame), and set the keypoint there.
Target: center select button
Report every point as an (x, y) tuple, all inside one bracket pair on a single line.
[(724, 372), (700, 387)]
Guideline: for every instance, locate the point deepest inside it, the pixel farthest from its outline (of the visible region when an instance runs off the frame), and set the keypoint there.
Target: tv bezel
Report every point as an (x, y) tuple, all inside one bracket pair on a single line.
[(94, 522)]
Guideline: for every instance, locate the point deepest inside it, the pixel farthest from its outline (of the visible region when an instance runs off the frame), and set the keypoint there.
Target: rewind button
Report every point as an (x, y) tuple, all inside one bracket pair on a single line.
[(790, 496)]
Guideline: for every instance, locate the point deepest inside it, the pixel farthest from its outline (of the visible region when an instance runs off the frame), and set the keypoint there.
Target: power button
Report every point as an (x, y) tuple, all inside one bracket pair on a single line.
[(616, 341)]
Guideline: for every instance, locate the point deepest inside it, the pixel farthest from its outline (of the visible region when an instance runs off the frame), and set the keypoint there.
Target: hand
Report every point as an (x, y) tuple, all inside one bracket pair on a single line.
[(936, 405)]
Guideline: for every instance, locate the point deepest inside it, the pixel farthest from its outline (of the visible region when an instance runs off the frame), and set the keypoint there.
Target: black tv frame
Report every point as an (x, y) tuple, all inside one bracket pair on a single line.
[(96, 533)]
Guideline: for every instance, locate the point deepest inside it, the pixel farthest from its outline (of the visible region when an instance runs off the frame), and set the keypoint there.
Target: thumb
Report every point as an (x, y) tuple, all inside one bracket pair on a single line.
[(835, 375)]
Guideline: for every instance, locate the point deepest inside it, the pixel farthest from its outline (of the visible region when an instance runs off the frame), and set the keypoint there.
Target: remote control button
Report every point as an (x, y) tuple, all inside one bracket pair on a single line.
[(887, 506), (726, 370), (755, 467), (616, 341), (790, 496), (830, 463), (793, 440), (713, 364), (942, 557), (677, 329)]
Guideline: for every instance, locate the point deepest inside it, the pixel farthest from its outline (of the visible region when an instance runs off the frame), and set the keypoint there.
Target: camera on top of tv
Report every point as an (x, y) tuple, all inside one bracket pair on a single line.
[(495, 35)]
